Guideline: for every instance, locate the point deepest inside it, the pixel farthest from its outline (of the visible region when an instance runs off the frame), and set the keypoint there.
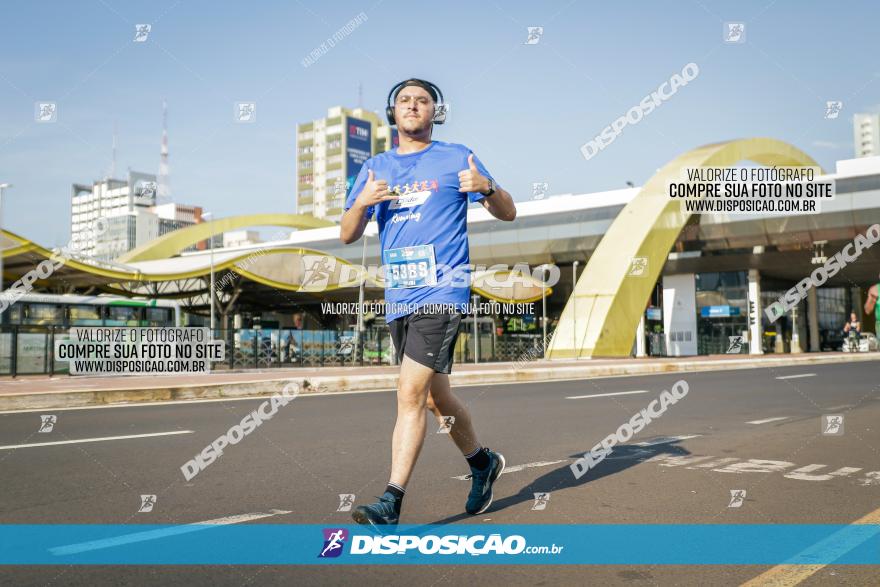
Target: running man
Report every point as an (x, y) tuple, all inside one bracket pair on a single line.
[(423, 231)]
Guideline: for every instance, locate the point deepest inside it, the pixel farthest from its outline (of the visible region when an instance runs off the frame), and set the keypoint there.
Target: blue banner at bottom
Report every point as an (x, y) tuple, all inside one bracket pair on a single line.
[(522, 544)]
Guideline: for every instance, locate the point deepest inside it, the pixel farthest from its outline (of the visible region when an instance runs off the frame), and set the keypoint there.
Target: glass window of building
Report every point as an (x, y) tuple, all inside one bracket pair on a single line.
[(722, 310)]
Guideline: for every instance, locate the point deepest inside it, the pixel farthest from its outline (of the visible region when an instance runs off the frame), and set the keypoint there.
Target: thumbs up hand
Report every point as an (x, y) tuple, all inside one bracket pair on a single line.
[(470, 179)]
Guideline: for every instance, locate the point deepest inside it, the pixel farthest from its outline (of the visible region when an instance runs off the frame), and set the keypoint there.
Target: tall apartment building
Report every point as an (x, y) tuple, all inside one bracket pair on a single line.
[(329, 154), (866, 135), (128, 212), (119, 203)]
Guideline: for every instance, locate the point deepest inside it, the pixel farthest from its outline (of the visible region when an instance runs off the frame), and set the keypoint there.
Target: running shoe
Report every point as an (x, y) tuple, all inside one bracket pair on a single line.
[(380, 513), (480, 497)]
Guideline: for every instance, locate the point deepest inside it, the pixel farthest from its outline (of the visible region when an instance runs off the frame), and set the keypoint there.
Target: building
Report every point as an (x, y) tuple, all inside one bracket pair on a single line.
[(329, 155), (128, 213), (866, 135), (120, 203), (241, 238), (172, 216)]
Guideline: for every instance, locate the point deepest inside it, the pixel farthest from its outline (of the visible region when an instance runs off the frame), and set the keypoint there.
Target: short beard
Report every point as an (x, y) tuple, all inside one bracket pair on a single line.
[(424, 130)]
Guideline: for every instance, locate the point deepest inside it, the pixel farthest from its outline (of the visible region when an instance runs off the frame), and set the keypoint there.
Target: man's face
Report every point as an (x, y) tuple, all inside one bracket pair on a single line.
[(413, 110)]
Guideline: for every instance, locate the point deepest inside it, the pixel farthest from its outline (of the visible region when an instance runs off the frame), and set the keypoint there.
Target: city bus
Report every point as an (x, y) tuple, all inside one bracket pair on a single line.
[(65, 311)]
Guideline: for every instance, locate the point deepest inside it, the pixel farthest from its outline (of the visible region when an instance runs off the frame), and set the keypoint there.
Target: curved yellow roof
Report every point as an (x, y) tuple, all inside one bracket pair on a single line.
[(174, 242), (156, 269)]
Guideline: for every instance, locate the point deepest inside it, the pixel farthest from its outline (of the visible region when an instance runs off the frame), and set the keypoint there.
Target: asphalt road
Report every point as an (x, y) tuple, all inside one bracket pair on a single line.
[(318, 447)]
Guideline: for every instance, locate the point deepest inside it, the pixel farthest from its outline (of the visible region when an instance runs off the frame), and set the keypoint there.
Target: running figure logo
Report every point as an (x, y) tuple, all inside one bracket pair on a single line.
[(832, 109), (141, 32), (317, 270), (637, 266), (334, 540), (46, 112), (541, 501), (446, 426), (147, 503), (832, 424), (149, 189), (339, 188), (245, 111), (539, 190), (346, 500), (47, 423), (735, 344), (734, 32), (535, 34), (737, 497)]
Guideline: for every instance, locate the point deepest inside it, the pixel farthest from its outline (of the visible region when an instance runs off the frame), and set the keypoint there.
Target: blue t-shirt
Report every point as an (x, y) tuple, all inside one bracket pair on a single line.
[(431, 211)]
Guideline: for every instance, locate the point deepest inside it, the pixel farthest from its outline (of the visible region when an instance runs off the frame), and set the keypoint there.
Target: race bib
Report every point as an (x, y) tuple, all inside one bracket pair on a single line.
[(410, 267)]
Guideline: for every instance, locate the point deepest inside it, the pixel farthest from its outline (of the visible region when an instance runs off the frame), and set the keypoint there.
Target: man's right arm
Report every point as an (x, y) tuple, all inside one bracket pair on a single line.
[(353, 223)]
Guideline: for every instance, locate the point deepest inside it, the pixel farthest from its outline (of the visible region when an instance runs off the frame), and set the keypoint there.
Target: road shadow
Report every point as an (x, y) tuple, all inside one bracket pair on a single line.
[(623, 457)]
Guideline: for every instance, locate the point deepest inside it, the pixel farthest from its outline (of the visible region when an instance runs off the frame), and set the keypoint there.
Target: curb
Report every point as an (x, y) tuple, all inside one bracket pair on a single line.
[(319, 385)]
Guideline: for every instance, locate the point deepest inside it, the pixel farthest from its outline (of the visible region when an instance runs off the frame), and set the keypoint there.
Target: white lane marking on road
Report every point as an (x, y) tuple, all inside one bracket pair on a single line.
[(767, 420), (156, 534), (516, 468), (101, 439), (797, 376), (607, 394), (805, 473), (666, 440)]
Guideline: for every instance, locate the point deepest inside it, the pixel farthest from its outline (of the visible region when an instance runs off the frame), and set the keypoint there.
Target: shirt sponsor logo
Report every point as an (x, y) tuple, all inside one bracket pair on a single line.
[(404, 217), (411, 200)]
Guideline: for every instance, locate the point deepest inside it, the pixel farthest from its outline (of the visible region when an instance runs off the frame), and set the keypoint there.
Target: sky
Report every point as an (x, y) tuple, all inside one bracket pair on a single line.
[(525, 109)]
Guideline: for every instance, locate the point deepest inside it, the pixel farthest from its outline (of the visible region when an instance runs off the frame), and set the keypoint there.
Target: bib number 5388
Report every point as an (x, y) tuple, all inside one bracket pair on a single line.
[(410, 271)]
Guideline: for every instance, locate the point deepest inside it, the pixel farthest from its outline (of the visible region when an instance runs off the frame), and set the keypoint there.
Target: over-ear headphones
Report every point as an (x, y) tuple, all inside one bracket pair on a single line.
[(440, 106)]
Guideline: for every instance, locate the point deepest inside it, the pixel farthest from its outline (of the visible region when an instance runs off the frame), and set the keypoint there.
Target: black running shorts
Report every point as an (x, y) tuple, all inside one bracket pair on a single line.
[(427, 339)]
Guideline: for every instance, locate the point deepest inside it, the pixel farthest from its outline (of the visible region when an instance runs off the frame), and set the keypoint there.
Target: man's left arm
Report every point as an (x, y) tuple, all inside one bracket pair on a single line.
[(499, 204)]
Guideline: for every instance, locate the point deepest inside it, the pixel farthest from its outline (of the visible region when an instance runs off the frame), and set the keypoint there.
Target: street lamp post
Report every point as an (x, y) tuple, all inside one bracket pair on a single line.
[(211, 291), (543, 269), (475, 300), (574, 278), (358, 337), (358, 340), (2, 187)]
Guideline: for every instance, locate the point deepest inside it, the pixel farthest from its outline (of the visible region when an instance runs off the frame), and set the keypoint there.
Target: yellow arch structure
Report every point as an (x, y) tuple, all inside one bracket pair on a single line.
[(602, 314), (172, 243)]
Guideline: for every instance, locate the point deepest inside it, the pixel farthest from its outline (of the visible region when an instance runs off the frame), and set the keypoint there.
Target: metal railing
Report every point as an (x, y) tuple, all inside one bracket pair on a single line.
[(30, 350)]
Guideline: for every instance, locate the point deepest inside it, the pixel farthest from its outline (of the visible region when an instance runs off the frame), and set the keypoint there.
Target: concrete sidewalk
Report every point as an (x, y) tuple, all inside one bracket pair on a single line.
[(65, 392)]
